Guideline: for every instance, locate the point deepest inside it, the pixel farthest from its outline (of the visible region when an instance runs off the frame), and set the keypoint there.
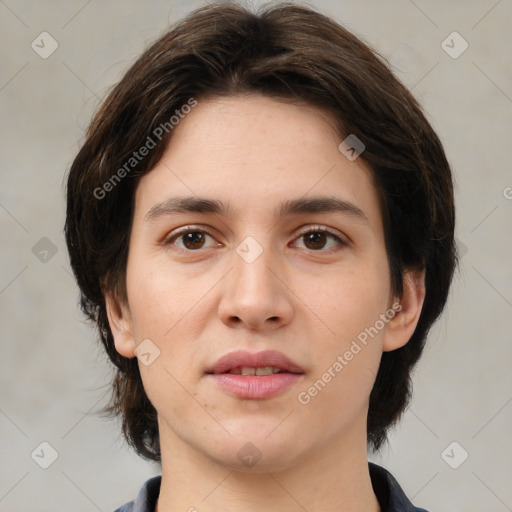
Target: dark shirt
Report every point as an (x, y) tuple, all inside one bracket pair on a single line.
[(389, 494)]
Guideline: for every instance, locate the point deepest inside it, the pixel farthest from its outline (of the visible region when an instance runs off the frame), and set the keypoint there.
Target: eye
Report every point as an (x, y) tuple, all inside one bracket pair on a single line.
[(191, 239), (314, 238), (317, 237)]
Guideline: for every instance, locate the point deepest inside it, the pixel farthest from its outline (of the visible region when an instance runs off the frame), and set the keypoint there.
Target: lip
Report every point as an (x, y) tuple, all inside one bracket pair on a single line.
[(242, 358), (255, 387)]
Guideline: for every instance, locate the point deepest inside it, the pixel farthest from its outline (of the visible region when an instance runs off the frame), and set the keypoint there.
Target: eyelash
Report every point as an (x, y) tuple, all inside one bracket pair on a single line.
[(310, 229)]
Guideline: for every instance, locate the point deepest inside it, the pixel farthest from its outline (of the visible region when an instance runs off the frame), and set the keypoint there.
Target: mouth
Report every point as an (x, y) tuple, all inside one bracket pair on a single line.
[(267, 362), (252, 371), (255, 376)]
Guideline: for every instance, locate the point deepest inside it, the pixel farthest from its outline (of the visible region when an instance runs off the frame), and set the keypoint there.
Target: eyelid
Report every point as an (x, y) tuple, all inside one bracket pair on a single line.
[(185, 229), (324, 229)]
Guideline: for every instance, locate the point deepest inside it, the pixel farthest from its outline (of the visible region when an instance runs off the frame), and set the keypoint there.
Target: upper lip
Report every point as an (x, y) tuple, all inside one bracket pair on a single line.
[(244, 359)]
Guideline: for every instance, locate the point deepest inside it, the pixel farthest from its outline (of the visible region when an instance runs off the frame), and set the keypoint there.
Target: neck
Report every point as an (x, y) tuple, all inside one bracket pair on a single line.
[(334, 477)]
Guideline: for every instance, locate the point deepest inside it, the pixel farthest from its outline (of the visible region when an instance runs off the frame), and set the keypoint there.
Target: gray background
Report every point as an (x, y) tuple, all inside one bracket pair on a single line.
[(52, 371)]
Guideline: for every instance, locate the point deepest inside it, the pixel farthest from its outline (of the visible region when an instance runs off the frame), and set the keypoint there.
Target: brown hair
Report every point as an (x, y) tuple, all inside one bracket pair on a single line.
[(290, 53)]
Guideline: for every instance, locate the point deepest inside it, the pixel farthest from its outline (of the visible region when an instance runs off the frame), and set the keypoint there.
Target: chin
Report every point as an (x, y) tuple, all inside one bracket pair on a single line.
[(258, 453), (269, 462)]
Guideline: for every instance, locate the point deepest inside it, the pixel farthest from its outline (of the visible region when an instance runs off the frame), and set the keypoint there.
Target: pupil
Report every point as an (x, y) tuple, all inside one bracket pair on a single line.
[(194, 240), (317, 239)]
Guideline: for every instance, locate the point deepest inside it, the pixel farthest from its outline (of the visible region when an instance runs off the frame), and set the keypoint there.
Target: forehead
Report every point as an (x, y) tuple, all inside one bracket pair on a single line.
[(253, 153)]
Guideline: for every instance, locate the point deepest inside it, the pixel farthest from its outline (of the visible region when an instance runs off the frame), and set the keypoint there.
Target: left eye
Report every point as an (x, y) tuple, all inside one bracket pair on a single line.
[(191, 239), (317, 238)]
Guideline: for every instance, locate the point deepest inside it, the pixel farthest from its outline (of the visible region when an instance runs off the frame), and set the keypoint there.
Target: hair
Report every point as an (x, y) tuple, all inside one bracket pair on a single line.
[(289, 53)]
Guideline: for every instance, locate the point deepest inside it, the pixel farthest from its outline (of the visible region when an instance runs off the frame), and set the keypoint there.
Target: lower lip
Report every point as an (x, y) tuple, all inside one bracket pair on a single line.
[(256, 387)]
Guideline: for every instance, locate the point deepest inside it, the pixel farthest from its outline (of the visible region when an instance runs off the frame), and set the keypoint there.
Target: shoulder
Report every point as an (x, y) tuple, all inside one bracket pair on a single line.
[(146, 498), (389, 493)]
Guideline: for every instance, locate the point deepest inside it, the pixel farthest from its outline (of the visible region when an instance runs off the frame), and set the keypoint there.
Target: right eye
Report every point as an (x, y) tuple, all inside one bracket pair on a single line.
[(189, 239)]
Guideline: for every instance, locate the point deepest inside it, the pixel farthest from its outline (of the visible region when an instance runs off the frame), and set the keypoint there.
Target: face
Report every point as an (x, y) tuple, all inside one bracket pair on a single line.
[(287, 255)]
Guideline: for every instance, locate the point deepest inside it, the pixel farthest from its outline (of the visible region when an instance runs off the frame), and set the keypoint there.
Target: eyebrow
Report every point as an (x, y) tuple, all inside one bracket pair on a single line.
[(320, 204)]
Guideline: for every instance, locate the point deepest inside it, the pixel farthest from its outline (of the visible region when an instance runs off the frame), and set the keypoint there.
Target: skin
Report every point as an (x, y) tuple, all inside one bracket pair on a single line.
[(307, 300)]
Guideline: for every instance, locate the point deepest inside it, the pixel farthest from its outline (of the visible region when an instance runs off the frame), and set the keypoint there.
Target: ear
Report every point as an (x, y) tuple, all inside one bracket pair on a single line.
[(120, 324), (401, 327)]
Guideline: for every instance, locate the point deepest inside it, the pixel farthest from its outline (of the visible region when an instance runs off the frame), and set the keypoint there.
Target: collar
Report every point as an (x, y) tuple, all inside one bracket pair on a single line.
[(389, 494)]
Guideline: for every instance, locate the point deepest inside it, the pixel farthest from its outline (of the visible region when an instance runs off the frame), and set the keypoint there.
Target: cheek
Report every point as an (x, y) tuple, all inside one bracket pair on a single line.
[(346, 361), (348, 300), (170, 308), (149, 304), (347, 305), (158, 296)]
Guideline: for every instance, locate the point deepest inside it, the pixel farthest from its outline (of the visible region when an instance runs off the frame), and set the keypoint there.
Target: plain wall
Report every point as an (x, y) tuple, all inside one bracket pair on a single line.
[(53, 374)]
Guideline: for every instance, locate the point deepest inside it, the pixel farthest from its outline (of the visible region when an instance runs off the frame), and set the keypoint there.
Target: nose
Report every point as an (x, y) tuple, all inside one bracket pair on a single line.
[(255, 295)]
